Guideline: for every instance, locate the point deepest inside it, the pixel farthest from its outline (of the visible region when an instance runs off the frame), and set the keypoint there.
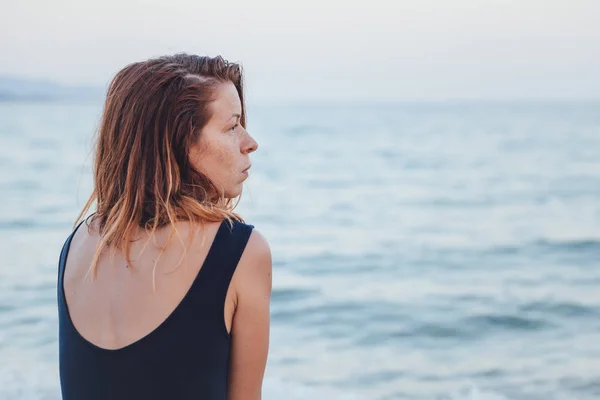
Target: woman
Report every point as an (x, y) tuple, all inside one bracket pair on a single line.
[(164, 294)]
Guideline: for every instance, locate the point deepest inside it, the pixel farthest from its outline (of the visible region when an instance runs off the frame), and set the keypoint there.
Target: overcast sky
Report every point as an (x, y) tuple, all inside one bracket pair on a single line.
[(370, 49)]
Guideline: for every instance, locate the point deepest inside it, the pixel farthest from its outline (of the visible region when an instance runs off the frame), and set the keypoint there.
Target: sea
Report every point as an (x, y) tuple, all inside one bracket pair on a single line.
[(421, 250)]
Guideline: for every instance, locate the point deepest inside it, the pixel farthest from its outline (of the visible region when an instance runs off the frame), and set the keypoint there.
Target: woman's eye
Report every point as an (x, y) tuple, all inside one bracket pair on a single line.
[(233, 127)]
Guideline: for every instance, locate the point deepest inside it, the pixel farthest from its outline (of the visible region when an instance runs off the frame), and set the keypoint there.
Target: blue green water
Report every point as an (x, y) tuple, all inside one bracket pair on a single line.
[(421, 251)]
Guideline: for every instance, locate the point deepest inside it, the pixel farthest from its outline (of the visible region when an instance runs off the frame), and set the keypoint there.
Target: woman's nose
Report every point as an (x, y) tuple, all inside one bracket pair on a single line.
[(251, 144)]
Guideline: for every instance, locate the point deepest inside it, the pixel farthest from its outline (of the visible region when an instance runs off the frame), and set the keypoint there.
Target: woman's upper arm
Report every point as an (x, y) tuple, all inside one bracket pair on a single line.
[(250, 329)]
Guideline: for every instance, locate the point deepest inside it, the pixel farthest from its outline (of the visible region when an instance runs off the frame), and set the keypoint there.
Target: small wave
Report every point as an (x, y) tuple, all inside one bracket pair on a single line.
[(561, 246), (562, 309), (570, 245), (473, 393), (510, 322), (470, 328), (324, 314), (30, 223), (9, 225), (276, 389), (28, 382), (437, 331), (290, 294)]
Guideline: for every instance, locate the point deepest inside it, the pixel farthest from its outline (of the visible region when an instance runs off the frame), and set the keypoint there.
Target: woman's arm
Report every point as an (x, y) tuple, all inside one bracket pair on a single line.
[(250, 329)]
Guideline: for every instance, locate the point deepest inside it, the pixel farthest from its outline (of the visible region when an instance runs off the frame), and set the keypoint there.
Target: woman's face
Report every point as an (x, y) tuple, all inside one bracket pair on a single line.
[(222, 151)]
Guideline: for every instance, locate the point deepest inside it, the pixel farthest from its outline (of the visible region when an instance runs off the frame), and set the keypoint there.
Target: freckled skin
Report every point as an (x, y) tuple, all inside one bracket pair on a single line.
[(223, 148)]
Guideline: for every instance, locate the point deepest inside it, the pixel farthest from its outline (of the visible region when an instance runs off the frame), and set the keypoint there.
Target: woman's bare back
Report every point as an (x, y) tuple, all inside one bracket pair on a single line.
[(120, 306)]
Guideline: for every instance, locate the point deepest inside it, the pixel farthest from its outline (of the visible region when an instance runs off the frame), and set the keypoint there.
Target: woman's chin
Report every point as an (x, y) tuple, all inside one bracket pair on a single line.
[(233, 192)]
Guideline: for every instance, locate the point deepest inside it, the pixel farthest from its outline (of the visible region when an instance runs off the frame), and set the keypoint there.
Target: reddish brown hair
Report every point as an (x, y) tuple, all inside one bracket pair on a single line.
[(143, 177)]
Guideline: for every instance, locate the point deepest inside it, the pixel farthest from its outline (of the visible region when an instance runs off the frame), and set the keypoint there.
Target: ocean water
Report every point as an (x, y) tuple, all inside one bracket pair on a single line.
[(421, 251)]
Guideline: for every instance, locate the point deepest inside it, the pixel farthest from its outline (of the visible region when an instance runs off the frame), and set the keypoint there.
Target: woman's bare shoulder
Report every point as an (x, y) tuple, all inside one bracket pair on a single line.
[(257, 249), (255, 265)]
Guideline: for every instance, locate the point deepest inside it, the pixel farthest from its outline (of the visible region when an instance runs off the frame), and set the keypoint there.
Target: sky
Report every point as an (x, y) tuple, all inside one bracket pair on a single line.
[(323, 50)]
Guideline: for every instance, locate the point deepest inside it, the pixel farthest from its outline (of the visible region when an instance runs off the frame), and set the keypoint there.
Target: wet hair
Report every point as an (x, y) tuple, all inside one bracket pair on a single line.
[(154, 111)]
